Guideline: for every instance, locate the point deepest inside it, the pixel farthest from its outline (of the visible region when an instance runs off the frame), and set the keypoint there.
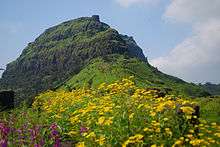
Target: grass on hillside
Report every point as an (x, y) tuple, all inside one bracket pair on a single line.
[(115, 67), (210, 108)]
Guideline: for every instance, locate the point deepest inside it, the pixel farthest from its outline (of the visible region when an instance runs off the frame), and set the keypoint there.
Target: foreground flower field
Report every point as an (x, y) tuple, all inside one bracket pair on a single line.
[(119, 114)]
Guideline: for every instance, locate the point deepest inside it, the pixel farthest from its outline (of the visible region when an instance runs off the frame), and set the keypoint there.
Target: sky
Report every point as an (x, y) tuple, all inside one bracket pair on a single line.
[(179, 37)]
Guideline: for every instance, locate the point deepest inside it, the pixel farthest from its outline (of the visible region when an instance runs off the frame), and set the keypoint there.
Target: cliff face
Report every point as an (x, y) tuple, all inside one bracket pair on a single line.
[(61, 52)]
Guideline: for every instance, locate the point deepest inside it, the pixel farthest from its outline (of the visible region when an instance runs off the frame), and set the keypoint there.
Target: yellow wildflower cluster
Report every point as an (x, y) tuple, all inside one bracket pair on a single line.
[(138, 138), (124, 114)]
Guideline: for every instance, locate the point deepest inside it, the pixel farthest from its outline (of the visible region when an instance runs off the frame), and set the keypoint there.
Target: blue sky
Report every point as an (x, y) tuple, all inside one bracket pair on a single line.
[(22, 21)]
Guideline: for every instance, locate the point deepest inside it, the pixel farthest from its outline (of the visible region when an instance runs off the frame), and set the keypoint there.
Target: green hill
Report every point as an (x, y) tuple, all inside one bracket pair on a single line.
[(213, 89), (62, 51)]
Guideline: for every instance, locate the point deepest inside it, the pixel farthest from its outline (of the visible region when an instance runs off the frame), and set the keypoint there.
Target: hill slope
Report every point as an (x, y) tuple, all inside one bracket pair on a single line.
[(111, 68), (214, 89)]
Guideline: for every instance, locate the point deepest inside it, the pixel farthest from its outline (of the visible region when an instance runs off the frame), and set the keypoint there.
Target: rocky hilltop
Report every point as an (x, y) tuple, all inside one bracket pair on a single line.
[(61, 51)]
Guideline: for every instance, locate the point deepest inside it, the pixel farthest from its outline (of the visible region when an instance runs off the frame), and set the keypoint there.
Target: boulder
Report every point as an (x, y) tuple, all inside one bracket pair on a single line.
[(6, 100)]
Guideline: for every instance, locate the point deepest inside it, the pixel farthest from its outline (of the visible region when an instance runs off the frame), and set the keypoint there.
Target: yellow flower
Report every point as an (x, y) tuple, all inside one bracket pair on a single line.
[(189, 136), (131, 115), (187, 109), (211, 140), (72, 133), (196, 142), (191, 131), (107, 109), (178, 142), (62, 109), (140, 106), (58, 116), (194, 116), (109, 121), (152, 113), (74, 119), (157, 130), (213, 124), (217, 134), (101, 140), (125, 143), (168, 131), (80, 144), (188, 116), (136, 138), (92, 134), (133, 139), (146, 129), (165, 119), (101, 120)]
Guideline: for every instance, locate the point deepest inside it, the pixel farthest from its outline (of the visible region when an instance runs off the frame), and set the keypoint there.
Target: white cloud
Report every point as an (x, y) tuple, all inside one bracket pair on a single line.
[(193, 10), (196, 58), (127, 3)]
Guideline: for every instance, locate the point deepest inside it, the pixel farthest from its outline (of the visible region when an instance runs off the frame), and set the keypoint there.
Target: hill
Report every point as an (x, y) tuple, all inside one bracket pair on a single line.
[(62, 51), (213, 89)]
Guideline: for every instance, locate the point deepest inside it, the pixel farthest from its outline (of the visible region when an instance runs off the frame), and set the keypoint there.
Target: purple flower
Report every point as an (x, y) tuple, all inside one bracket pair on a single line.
[(54, 132), (57, 142), (3, 143), (53, 126), (19, 130), (55, 135), (4, 132), (4, 129), (42, 142), (83, 130), (33, 134)]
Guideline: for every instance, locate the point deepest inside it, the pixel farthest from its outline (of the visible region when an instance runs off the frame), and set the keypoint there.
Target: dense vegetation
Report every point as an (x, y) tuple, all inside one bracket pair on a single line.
[(118, 114)]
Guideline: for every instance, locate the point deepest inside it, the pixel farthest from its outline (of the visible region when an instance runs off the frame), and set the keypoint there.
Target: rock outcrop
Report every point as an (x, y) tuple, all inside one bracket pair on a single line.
[(6, 100)]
